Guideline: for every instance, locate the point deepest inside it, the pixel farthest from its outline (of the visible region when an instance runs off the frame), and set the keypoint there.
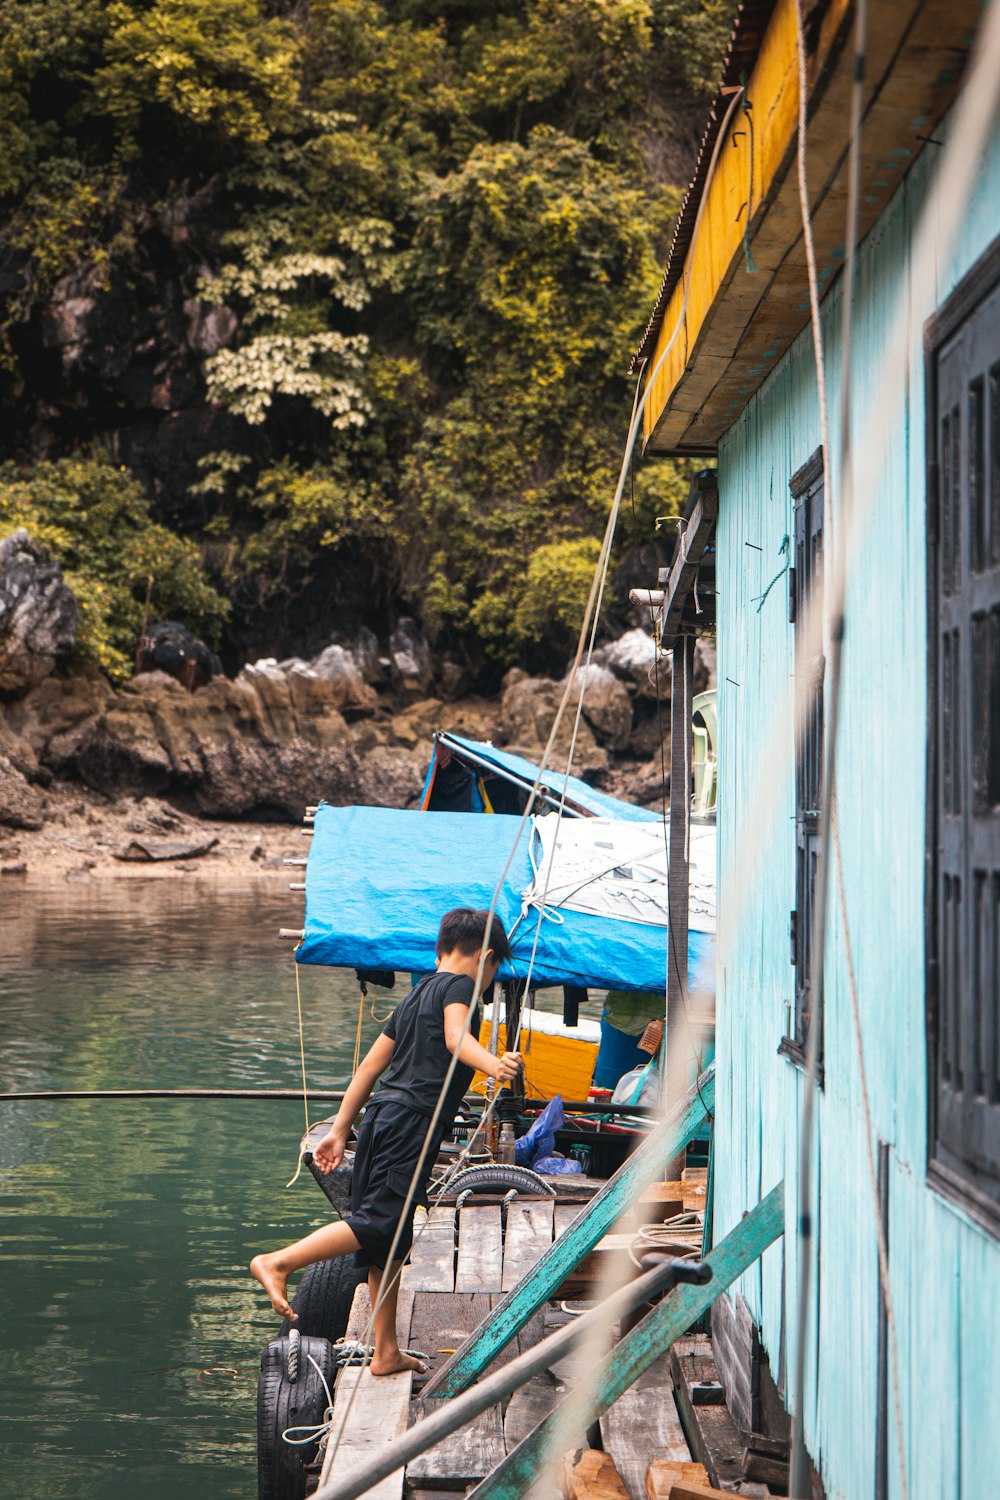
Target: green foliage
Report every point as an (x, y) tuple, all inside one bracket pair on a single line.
[(433, 230), (94, 519), (696, 33), (557, 585), (209, 63)]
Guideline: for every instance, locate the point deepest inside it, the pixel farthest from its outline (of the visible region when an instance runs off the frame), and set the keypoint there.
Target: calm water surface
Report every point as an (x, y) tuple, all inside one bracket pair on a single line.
[(131, 1331)]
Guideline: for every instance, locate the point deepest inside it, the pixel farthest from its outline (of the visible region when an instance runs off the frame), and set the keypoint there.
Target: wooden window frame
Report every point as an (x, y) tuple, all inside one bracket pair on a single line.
[(958, 1181), (803, 487)]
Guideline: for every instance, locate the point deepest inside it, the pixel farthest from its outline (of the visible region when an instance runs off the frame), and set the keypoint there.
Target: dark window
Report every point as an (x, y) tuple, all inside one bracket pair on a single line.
[(963, 825), (806, 592)]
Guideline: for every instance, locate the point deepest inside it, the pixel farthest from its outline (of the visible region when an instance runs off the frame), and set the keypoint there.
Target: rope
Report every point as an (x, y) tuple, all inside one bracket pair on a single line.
[(302, 1059), (596, 593), (357, 1035), (883, 1254), (799, 1482)]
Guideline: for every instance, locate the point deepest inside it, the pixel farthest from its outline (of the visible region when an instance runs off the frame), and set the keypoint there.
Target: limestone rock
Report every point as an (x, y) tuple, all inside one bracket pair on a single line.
[(39, 616), (271, 740), (52, 718), (607, 706), (631, 658), (352, 692), (391, 777), (527, 711), (21, 804), (411, 657)]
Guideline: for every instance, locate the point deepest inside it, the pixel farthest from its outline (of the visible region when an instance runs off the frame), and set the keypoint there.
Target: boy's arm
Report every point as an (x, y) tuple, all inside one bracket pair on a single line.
[(329, 1153), (471, 1052)]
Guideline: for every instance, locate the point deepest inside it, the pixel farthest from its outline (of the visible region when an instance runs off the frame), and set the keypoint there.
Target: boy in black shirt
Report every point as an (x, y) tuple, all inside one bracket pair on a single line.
[(414, 1053)]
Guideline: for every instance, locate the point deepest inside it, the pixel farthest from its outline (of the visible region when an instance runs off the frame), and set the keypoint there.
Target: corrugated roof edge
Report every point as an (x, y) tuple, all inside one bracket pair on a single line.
[(744, 43)]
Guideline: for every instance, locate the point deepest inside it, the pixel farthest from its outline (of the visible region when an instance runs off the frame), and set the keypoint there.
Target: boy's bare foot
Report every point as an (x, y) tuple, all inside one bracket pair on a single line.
[(275, 1283), (394, 1364)]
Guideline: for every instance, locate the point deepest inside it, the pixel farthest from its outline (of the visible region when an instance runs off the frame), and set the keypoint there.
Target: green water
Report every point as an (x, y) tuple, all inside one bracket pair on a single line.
[(130, 1330)]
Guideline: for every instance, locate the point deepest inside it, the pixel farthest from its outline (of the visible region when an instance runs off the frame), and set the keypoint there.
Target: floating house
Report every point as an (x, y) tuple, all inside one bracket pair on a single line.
[(892, 484)]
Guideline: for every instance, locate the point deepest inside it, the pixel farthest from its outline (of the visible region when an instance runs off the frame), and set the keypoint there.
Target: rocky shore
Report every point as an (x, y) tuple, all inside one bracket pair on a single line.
[(154, 775)]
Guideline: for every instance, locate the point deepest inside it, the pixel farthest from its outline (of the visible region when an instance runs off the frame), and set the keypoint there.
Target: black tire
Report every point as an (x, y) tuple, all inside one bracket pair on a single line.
[(501, 1180), (284, 1403), (323, 1299)]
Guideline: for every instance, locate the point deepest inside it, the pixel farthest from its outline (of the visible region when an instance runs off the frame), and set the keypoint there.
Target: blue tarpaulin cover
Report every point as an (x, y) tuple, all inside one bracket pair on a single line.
[(599, 804), (379, 880)]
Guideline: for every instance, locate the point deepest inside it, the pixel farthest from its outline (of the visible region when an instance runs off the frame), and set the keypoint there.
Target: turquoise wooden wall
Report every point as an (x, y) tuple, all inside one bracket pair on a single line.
[(945, 1271)]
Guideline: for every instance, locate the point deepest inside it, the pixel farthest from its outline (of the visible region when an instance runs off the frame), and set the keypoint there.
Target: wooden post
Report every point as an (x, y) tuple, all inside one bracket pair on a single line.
[(634, 1354), (565, 1254), (513, 998), (676, 1049)]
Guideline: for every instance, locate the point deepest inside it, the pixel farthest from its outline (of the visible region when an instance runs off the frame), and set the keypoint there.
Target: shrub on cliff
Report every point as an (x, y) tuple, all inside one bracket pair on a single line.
[(94, 519), (385, 260)]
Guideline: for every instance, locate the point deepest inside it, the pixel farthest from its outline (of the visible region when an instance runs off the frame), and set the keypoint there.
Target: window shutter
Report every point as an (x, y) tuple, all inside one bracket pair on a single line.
[(964, 899)]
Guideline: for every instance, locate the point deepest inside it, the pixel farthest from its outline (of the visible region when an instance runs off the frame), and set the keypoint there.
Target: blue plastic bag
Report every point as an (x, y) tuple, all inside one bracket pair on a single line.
[(541, 1138), (553, 1166)]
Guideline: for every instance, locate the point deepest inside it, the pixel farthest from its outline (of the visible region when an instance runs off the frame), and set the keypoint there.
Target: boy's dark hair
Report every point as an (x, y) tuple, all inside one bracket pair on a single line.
[(464, 929)]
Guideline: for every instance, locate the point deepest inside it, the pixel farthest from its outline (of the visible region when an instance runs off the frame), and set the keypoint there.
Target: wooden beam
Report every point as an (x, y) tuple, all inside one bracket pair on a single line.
[(637, 1350), (713, 1435), (691, 544), (663, 1474), (590, 1225), (589, 1474)]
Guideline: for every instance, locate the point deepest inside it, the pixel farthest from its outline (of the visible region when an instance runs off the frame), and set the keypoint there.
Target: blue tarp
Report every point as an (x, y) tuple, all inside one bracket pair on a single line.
[(599, 804), (379, 880)]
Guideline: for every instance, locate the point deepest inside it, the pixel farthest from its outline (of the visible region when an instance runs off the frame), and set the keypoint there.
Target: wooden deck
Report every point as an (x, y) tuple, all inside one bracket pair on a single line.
[(456, 1273)]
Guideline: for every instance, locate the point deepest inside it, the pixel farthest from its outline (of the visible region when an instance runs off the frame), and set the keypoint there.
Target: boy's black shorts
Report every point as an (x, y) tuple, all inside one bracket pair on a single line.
[(389, 1145)]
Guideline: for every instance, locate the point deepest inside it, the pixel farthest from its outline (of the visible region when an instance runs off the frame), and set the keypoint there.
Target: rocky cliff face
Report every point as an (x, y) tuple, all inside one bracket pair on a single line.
[(349, 725)]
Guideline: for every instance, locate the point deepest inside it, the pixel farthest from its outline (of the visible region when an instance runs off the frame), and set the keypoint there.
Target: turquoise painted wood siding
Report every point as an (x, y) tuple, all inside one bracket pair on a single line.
[(945, 1270)]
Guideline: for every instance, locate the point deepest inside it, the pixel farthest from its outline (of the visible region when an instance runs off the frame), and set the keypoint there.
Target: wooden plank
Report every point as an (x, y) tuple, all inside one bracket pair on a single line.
[(651, 1338), (527, 1238), (687, 1491), (530, 1404), (377, 1407), (587, 1276), (432, 1261), (662, 1200), (643, 1426), (565, 1213), (734, 1348), (619, 1192), (480, 1250), (464, 1457), (711, 1432), (442, 1320), (663, 1474), (589, 1474)]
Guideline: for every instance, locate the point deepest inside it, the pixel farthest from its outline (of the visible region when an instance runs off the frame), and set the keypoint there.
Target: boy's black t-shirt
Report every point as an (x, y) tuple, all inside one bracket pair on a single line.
[(420, 1058)]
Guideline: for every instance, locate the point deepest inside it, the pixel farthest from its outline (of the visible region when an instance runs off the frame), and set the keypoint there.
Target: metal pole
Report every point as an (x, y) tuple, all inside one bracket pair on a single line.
[(453, 1414), (325, 1095)]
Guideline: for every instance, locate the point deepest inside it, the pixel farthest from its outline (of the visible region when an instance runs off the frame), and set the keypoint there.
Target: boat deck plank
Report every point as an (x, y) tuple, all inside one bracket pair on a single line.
[(462, 1459), (528, 1236), (565, 1213), (480, 1249), (644, 1425), (432, 1261), (372, 1408), (441, 1320)]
